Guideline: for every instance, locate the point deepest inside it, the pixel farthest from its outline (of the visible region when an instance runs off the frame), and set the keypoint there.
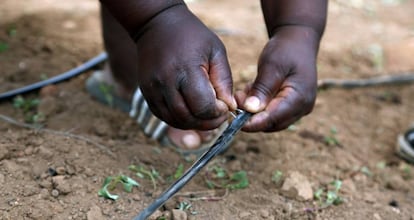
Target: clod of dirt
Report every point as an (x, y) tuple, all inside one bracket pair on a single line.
[(48, 106), (243, 215), (61, 184), (297, 186), (179, 214), (396, 182), (60, 170), (50, 90), (94, 213), (240, 147)]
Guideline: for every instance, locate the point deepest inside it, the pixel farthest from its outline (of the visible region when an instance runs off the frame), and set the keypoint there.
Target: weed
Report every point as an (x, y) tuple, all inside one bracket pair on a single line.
[(328, 197), (28, 106), (277, 176), (3, 47), (365, 170), (218, 177), (179, 172), (111, 182), (331, 139), (141, 172), (186, 206)]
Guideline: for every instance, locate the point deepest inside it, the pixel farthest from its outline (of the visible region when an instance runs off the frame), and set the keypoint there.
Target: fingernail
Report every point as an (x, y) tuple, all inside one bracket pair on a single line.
[(191, 141), (252, 104)]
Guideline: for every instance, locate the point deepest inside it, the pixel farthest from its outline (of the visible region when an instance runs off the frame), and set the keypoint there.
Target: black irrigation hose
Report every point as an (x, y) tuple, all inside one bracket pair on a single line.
[(56, 79), (218, 147)]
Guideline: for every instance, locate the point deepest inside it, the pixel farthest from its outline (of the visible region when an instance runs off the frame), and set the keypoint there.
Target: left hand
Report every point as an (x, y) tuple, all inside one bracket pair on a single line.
[(286, 85)]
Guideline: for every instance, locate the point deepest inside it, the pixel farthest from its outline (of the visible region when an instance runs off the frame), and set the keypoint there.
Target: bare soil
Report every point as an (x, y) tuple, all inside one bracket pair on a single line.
[(46, 175)]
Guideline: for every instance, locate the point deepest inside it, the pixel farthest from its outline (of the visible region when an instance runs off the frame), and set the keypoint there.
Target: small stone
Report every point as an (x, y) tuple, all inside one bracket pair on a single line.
[(45, 152), (61, 184), (179, 214), (377, 216), (28, 151), (45, 183), (94, 213), (50, 90), (396, 182), (55, 193), (264, 213), (244, 214), (1, 178), (155, 215), (43, 194), (297, 186), (60, 170)]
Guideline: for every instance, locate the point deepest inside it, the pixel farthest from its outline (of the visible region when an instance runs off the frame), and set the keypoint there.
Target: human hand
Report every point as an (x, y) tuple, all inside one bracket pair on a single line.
[(285, 87), (184, 73)]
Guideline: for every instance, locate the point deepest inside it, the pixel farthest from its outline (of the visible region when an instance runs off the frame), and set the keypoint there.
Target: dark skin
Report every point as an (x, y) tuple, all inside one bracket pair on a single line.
[(185, 76)]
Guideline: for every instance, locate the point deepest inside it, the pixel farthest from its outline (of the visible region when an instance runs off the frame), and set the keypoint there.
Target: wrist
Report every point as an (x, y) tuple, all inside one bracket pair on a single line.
[(133, 15)]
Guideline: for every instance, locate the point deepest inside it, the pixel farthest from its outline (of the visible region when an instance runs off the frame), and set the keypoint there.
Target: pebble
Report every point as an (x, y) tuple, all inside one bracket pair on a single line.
[(28, 151), (377, 216), (60, 170), (297, 186), (54, 193), (396, 182), (179, 214), (45, 152), (244, 214), (50, 90), (61, 184), (94, 213), (155, 215), (264, 213)]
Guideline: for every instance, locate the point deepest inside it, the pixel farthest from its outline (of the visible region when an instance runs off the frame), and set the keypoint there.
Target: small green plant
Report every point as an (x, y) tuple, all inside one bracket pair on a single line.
[(28, 106), (277, 176), (328, 197), (186, 206), (111, 182), (179, 171), (142, 172), (331, 139), (218, 177), (3, 47)]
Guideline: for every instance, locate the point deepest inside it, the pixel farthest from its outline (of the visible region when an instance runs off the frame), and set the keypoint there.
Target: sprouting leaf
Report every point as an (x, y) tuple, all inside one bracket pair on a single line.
[(104, 192), (220, 172), (318, 194), (3, 47), (111, 182), (179, 172), (277, 176), (241, 180)]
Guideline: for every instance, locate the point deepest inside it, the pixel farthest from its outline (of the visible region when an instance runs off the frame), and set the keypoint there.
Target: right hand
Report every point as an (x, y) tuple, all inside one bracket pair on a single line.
[(184, 73)]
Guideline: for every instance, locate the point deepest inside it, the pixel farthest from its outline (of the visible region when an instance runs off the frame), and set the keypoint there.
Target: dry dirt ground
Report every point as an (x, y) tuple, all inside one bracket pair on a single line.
[(350, 136)]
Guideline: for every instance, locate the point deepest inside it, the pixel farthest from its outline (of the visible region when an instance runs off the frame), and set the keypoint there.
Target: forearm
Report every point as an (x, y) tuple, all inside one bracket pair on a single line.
[(308, 13), (134, 14)]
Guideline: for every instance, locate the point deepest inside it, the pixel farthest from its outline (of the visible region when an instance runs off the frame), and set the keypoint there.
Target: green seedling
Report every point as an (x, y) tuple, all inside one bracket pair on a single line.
[(218, 177), (365, 170), (329, 197), (111, 182), (381, 165), (331, 139), (179, 172), (28, 106), (142, 172), (12, 31), (3, 47), (277, 176), (186, 206)]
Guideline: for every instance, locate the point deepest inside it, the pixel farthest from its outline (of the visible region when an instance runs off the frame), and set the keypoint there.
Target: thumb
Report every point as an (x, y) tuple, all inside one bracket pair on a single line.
[(221, 79), (262, 91)]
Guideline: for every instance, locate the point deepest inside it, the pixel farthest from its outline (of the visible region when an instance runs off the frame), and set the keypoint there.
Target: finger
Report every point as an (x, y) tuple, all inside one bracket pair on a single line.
[(199, 95), (178, 115), (286, 108), (241, 95), (221, 78), (264, 88)]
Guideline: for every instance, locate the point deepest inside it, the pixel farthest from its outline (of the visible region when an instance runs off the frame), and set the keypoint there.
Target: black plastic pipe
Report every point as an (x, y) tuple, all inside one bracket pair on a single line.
[(56, 79)]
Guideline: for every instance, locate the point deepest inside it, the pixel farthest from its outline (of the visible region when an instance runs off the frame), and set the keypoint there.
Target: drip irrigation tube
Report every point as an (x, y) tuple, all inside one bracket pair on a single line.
[(56, 79)]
